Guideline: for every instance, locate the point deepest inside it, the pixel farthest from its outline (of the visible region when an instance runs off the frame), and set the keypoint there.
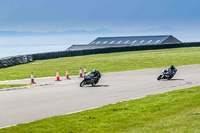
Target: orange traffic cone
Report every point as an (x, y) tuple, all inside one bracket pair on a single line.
[(57, 76), (85, 71), (80, 73), (67, 74), (32, 78)]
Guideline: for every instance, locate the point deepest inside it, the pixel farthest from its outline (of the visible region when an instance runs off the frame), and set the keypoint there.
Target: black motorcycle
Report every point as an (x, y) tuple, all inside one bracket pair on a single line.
[(168, 73), (90, 79)]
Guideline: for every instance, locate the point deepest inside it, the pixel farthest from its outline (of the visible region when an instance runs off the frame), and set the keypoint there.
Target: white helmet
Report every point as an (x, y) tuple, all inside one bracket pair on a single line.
[(94, 70)]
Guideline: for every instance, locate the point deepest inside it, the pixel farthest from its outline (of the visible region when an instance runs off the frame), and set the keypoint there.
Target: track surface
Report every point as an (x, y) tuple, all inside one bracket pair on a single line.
[(49, 98)]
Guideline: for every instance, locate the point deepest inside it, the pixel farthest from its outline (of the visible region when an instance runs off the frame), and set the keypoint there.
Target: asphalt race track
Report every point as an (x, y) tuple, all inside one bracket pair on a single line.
[(49, 98)]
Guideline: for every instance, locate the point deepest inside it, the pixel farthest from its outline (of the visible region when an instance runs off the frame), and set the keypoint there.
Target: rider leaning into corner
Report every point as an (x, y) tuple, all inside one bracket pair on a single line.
[(172, 69), (97, 75), (168, 73)]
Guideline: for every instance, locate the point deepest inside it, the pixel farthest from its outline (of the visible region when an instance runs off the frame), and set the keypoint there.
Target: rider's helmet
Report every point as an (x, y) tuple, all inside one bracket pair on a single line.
[(94, 70)]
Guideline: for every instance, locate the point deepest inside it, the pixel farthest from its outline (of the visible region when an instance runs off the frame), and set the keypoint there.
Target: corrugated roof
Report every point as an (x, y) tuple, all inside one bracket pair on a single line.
[(133, 40)]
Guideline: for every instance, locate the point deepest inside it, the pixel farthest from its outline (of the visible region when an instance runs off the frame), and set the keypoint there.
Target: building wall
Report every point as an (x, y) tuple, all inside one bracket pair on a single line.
[(171, 39)]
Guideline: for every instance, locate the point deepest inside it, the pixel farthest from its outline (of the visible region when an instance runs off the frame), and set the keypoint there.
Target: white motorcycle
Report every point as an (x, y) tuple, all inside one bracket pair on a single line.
[(90, 79), (168, 73)]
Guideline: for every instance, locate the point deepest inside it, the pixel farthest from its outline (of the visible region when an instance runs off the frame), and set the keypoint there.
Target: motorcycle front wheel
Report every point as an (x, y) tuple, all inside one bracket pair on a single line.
[(82, 83), (159, 78)]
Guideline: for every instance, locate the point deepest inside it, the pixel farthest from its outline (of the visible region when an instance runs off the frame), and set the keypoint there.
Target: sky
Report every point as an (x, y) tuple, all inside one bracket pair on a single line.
[(120, 17)]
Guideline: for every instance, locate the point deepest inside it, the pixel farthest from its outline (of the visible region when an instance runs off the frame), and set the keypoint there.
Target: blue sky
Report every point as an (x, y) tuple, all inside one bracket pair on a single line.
[(121, 17)]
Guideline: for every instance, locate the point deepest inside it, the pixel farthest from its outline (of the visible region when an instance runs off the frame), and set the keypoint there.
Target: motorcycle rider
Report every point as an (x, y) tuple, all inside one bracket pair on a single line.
[(91, 78), (97, 75), (172, 69), (168, 73)]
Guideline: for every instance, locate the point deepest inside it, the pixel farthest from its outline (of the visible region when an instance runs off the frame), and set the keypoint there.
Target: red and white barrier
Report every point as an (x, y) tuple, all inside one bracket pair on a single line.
[(80, 73), (67, 74), (57, 76), (85, 70), (32, 78)]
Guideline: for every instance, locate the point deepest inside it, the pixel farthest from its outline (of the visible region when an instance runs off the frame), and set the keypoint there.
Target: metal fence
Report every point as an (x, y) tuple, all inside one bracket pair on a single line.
[(11, 61), (15, 60), (51, 55)]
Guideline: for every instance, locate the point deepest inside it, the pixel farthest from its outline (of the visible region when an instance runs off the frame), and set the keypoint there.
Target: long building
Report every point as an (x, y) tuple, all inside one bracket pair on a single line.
[(136, 40), (103, 42)]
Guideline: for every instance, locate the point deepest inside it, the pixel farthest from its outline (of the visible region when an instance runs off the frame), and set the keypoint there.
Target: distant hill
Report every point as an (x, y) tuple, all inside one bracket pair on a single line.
[(30, 33)]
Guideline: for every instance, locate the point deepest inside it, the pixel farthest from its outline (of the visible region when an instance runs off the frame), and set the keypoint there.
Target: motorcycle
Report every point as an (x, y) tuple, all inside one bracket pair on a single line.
[(168, 73), (90, 79)]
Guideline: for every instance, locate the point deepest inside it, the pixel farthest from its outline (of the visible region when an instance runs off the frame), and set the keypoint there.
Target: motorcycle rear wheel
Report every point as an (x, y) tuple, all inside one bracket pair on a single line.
[(82, 83), (93, 84)]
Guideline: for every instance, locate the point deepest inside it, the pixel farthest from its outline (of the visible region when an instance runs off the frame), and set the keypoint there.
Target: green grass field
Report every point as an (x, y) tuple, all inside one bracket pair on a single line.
[(176, 111), (12, 85), (172, 112), (112, 62)]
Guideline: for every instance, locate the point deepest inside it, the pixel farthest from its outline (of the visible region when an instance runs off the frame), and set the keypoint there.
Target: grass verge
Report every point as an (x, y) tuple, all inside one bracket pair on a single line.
[(176, 111), (12, 85), (112, 62)]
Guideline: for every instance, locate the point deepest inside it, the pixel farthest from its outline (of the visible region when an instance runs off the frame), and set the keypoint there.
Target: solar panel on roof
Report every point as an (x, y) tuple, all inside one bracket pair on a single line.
[(149, 41), (157, 41), (105, 42), (142, 41), (119, 42), (98, 42), (127, 41), (134, 41), (93, 42), (112, 42)]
